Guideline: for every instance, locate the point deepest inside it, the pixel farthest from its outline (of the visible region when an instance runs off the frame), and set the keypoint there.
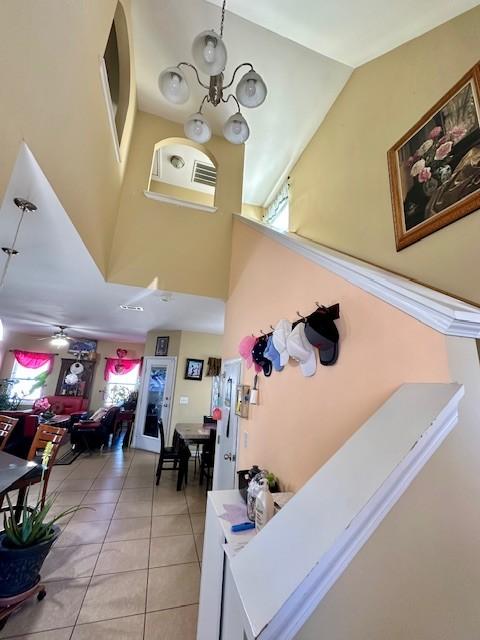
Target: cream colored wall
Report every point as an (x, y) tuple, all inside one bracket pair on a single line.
[(105, 349), (340, 193), (252, 211), (200, 346), (418, 575), (181, 192), (51, 97), (183, 345), (300, 422), (172, 247)]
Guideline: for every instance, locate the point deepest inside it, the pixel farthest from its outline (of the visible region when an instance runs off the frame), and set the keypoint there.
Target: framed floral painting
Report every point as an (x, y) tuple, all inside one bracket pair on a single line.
[(435, 168)]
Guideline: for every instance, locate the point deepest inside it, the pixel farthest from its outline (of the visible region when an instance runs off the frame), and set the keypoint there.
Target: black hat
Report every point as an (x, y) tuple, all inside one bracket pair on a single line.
[(322, 333), (259, 357)]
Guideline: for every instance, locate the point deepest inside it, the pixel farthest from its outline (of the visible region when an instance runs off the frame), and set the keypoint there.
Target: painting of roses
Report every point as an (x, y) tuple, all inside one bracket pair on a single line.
[(435, 168)]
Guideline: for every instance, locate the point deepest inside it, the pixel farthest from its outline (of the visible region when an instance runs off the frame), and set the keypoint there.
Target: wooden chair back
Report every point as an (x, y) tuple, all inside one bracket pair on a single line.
[(46, 433), (7, 426)]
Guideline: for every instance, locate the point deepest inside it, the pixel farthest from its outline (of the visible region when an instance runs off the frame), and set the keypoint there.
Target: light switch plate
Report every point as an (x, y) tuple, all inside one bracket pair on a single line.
[(183, 399)]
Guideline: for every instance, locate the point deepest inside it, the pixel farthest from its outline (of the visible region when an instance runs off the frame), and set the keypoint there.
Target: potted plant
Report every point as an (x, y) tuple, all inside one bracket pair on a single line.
[(24, 545)]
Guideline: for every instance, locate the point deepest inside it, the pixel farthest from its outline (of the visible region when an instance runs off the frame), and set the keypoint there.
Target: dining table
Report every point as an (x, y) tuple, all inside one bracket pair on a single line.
[(186, 434), (16, 473)]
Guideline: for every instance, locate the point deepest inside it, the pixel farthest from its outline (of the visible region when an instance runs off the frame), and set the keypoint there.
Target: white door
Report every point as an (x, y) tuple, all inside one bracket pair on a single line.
[(154, 402), (227, 429)]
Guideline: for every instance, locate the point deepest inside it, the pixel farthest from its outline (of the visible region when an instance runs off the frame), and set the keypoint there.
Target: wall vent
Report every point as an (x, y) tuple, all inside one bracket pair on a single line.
[(204, 174)]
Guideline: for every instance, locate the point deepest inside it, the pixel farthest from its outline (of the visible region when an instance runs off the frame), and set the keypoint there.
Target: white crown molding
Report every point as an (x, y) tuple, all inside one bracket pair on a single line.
[(178, 202), (329, 520), (437, 310)]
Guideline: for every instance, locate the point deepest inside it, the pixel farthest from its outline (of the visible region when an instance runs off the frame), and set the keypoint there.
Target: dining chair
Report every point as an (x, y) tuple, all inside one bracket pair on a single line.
[(207, 459), (7, 426), (46, 433), (167, 454)]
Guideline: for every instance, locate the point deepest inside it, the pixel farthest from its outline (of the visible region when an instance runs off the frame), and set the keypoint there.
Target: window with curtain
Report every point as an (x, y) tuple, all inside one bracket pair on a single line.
[(120, 384), (277, 214), (26, 379)]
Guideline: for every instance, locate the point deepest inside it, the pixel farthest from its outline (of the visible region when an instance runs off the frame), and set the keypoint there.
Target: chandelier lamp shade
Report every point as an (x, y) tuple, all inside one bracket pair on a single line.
[(210, 57)]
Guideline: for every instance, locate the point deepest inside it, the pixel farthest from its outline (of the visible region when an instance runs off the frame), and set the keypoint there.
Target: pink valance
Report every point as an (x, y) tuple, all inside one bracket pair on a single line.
[(120, 366), (34, 360)]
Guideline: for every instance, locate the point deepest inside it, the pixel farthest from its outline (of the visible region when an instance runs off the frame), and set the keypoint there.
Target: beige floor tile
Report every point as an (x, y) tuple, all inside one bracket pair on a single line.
[(114, 472), (63, 563), (129, 529), (138, 482), (114, 596), (70, 498), (101, 497), (170, 525), (78, 484), (130, 628), (176, 624), (141, 472), (83, 474), (127, 555), (197, 504), (95, 513), (132, 510), (103, 483), (198, 523), (199, 545), (173, 586), (76, 533), (136, 495), (57, 634), (169, 550), (59, 609), (167, 506), (56, 510)]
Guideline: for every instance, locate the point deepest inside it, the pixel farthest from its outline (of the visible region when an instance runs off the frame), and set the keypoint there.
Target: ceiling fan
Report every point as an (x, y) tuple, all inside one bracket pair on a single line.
[(59, 338)]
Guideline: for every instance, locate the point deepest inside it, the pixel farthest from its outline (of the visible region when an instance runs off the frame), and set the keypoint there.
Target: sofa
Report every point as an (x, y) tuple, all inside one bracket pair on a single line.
[(66, 405)]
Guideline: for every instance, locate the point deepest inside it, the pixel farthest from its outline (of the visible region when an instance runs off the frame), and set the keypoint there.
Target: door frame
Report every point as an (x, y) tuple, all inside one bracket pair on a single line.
[(238, 361), (141, 407)]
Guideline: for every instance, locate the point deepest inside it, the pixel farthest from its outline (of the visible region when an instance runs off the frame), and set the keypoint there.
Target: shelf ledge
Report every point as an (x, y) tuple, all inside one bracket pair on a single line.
[(178, 202)]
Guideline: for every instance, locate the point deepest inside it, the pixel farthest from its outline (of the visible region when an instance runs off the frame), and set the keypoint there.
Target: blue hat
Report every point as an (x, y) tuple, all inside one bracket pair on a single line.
[(272, 354)]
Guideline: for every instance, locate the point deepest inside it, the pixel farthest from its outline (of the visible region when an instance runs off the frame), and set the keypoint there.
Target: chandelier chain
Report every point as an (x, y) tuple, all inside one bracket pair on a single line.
[(223, 18)]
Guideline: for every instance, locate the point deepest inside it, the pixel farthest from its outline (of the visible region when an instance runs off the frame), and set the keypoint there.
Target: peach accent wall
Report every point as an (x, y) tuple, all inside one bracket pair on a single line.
[(300, 422)]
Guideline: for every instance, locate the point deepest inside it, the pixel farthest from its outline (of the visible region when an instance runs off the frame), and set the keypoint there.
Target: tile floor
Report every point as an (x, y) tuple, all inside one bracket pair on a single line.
[(126, 568)]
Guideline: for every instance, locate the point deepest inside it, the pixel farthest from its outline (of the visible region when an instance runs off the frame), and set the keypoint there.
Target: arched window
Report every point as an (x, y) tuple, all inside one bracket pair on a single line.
[(115, 73), (183, 173)]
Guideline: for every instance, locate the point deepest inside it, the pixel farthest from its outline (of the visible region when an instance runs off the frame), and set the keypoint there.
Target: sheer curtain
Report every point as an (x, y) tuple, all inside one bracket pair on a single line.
[(278, 205)]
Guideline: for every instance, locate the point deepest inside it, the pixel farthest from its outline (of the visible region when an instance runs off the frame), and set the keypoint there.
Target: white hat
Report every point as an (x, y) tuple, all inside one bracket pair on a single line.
[(281, 332), (300, 349)]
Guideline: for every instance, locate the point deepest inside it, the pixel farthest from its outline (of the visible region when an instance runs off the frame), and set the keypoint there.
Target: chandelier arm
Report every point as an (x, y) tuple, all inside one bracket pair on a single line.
[(244, 64), (206, 98), (187, 64), (228, 98)]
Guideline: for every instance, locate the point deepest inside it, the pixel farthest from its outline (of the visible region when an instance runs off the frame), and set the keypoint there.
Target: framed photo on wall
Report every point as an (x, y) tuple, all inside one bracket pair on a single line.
[(435, 167), (161, 347), (193, 369)]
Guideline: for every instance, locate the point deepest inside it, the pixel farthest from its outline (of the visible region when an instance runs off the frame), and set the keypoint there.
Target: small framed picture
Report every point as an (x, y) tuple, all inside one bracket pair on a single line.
[(161, 348), (242, 400), (194, 369)]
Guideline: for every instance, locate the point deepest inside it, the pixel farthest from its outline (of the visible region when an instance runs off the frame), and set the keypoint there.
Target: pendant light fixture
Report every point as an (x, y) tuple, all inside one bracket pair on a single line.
[(210, 56), (24, 206)]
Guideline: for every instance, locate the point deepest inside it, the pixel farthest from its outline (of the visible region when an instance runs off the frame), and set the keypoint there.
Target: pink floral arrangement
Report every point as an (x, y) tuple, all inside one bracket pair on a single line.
[(430, 162), (42, 405)]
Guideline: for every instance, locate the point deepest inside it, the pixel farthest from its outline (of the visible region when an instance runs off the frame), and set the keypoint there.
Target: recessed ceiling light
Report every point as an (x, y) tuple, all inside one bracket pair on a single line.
[(129, 307)]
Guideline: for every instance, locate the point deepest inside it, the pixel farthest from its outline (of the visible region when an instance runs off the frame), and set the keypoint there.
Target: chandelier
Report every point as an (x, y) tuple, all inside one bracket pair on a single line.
[(210, 55)]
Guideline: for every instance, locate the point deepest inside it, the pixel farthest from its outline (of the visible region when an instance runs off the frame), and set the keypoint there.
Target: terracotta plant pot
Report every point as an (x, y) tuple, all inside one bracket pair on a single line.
[(20, 566)]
